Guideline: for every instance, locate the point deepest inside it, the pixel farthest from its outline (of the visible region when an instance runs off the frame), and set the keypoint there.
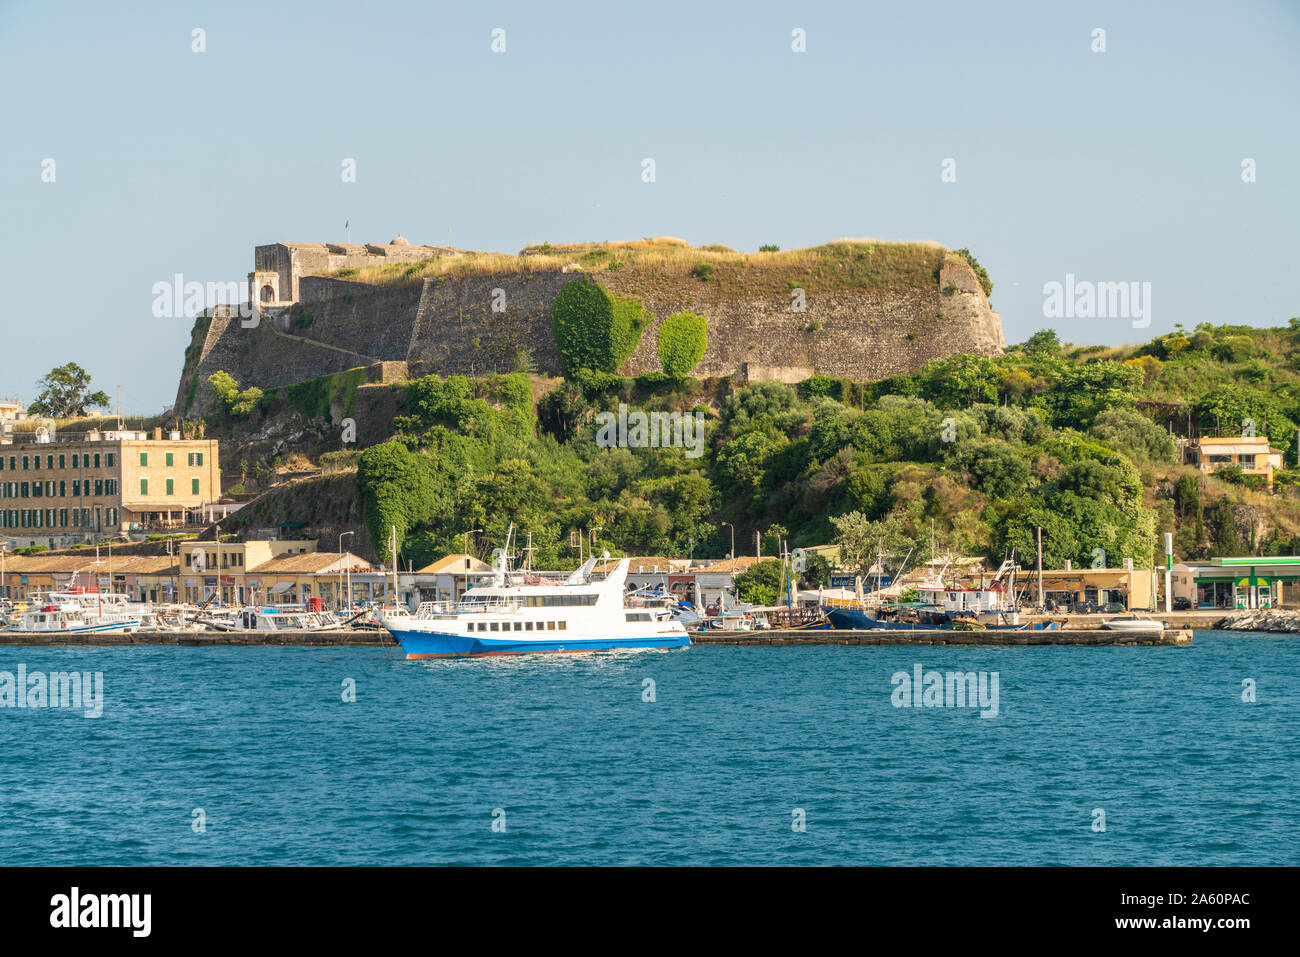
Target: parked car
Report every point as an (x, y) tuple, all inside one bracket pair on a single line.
[(1115, 608), (1182, 604)]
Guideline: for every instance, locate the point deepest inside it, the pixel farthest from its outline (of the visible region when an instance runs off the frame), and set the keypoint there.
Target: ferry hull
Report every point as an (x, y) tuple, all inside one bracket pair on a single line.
[(432, 644)]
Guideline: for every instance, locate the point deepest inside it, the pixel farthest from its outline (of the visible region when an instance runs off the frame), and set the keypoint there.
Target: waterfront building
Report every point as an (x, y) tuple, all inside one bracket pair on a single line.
[(99, 485), (207, 565), (140, 577), (715, 578), (295, 578), (255, 572), (1250, 453), (1242, 582), (1070, 588), (447, 578)]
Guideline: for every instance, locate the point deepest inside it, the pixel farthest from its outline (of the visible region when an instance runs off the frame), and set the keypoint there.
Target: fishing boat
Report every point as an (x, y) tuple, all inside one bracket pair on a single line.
[(512, 614), (77, 612), (272, 618)]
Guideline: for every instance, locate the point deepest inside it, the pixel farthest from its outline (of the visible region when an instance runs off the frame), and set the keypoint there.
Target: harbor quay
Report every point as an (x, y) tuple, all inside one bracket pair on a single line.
[(767, 638)]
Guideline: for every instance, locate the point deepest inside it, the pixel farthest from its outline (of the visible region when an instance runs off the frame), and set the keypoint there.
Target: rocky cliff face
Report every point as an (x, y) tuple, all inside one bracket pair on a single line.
[(782, 321)]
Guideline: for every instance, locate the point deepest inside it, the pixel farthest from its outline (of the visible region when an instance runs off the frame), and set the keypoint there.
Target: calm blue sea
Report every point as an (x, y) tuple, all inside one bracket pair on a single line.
[(563, 754)]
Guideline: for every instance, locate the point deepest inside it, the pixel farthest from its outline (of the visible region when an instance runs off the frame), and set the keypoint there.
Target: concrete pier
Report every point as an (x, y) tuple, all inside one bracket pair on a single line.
[(774, 636), (211, 639), (886, 636)]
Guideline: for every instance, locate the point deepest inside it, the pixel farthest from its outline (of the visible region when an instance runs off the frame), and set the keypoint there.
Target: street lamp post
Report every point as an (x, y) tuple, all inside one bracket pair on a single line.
[(349, 567), (732, 553)]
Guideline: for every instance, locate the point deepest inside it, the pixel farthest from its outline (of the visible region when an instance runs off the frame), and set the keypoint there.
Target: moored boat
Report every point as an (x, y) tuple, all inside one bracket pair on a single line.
[(70, 613), (1135, 624)]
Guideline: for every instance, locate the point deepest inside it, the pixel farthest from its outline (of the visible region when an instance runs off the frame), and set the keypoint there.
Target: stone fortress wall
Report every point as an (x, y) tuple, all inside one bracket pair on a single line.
[(446, 324)]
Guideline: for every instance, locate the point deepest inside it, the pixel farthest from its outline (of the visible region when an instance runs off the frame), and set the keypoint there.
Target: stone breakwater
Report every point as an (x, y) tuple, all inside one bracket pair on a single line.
[(1275, 620)]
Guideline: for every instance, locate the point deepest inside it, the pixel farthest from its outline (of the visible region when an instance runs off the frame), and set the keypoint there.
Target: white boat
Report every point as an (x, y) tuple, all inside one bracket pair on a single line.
[(520, 614), (266, 618), (1135, 624), (78, 612)]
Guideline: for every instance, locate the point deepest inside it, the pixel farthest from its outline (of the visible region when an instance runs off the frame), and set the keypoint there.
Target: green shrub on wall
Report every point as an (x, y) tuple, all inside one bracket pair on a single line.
[(683, 337), (593, 329)]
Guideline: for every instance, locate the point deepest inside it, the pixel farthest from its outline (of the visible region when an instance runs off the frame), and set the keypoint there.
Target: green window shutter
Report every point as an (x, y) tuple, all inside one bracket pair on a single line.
[(194, 486), (144, 486), (169, 486)]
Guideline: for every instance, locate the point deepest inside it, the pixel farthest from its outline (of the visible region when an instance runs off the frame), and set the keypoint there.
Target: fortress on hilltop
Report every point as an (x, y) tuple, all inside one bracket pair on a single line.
[(862, 309)]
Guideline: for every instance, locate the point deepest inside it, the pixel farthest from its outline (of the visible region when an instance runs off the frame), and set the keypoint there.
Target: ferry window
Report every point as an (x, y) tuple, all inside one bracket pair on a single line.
[(563, 625), (496, 626), (550, 626), (519, 626), (528, 626)]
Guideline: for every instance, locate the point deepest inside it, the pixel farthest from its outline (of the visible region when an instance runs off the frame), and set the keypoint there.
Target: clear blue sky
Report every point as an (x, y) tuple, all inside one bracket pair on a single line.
[(1115, 166)]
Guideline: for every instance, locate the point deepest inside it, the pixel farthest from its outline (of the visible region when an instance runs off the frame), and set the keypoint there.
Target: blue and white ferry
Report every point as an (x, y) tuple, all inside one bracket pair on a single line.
[(518, 613)]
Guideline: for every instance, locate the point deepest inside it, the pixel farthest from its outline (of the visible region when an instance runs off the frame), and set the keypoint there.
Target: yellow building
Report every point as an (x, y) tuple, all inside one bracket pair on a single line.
[(1251, 454), (95, 485), (141, 577), (202, 563), (295, 578), (1074, 588)]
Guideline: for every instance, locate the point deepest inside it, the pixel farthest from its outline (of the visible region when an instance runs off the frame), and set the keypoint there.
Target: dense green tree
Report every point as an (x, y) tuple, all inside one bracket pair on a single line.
[(1044, 341), (761, 583), (65, 393)]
